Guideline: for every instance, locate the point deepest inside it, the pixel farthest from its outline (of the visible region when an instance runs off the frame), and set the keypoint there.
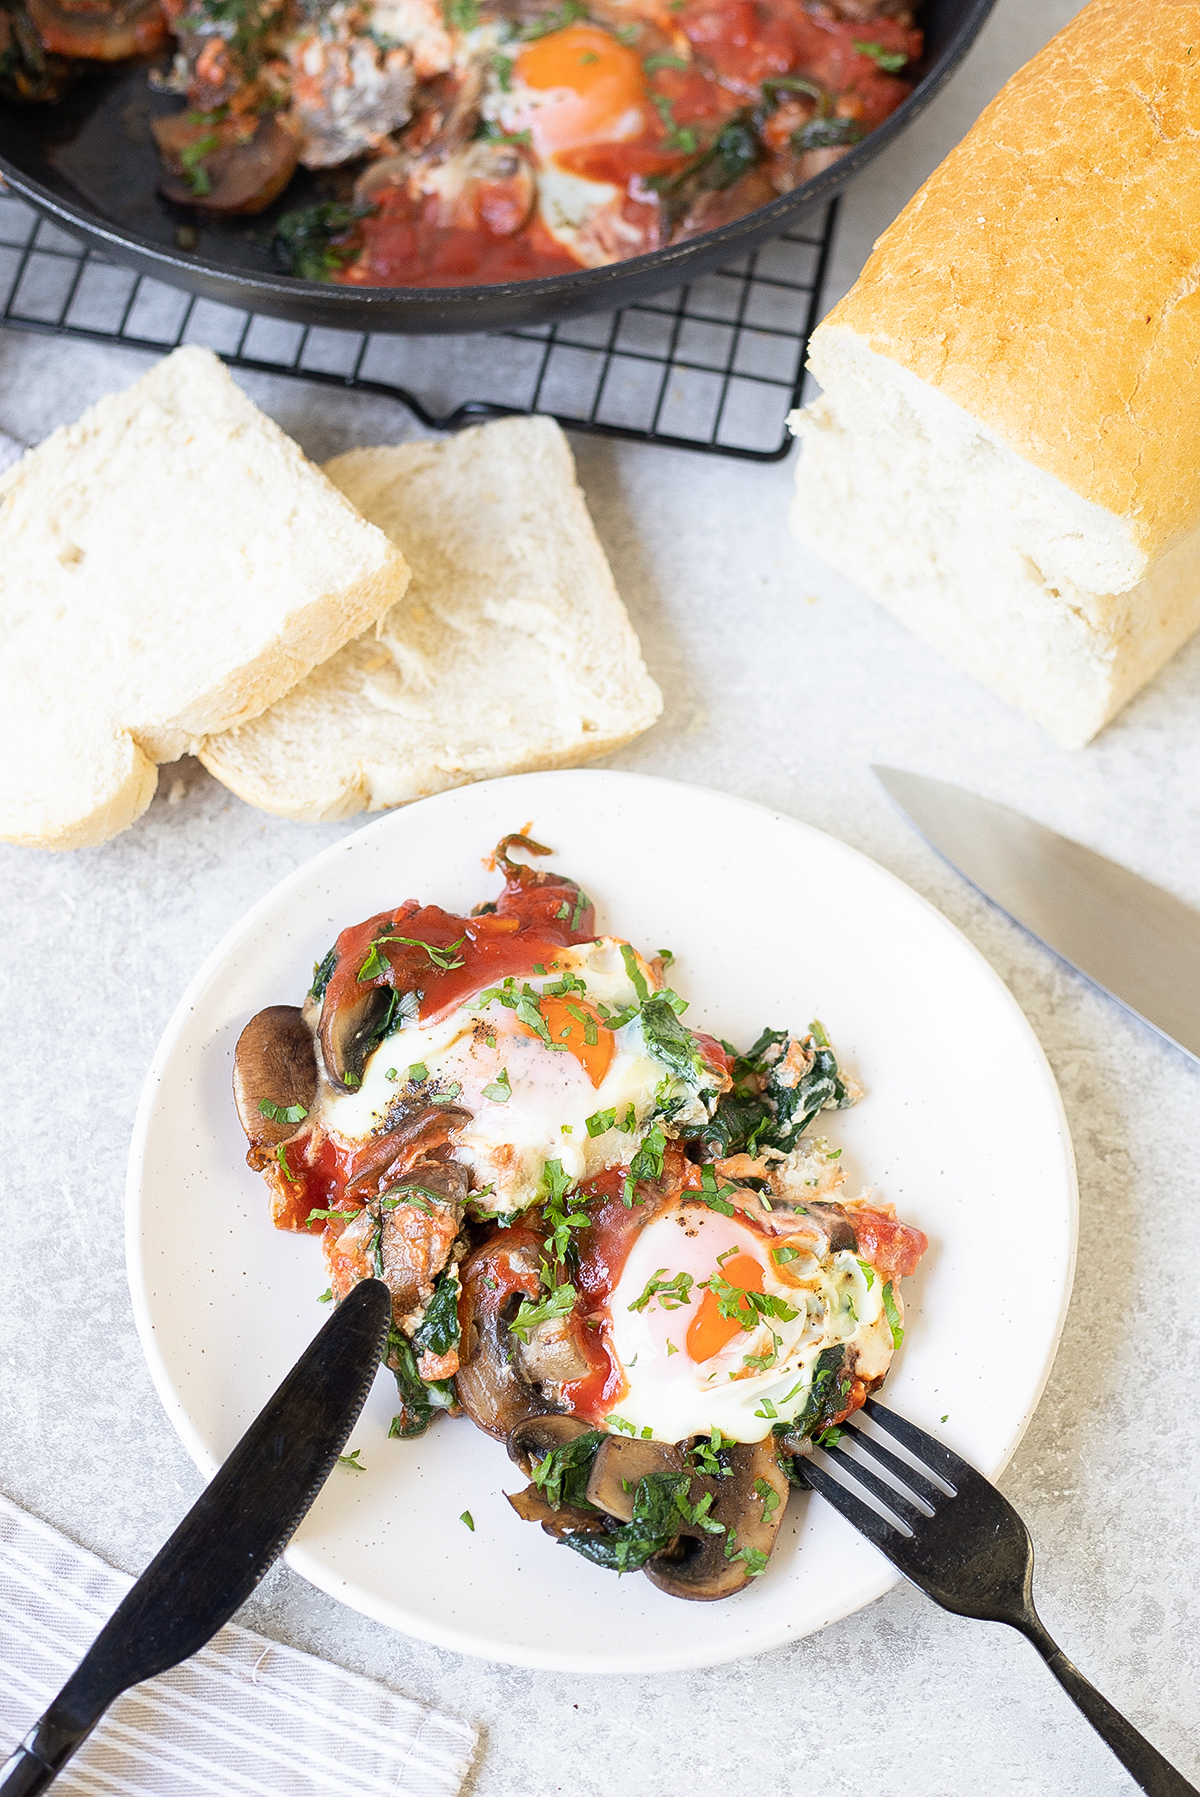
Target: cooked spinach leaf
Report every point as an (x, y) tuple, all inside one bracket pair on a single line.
[(438, 1332), (656, 1516), (561, 1475)]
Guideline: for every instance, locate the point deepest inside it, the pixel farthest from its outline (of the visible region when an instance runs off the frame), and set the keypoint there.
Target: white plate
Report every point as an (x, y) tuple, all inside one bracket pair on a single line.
[(772, 923)]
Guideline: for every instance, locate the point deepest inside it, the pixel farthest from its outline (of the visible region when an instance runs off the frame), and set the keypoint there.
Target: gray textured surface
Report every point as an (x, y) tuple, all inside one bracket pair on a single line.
[(782, 684)]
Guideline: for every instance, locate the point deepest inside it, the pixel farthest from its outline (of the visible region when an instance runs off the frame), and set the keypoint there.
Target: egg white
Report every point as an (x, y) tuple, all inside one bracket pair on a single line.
[(507, 1141), (672, 1396)]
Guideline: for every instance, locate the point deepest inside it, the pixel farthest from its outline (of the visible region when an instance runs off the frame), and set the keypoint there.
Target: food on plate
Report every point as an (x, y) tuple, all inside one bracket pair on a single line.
[(169, 565), (610, 1240), (1007, 450), (497, 140), (510, 650)]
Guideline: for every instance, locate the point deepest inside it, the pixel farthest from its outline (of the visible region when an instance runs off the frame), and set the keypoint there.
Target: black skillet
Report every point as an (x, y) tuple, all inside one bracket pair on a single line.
[(89, 163)]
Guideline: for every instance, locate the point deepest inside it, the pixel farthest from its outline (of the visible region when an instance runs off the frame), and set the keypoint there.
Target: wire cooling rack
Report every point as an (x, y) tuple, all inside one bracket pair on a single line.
[(714, 366)]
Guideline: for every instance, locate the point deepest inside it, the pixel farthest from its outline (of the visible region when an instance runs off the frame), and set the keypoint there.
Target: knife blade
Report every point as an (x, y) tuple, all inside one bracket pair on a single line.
[(230, 1537), (1134, 941)]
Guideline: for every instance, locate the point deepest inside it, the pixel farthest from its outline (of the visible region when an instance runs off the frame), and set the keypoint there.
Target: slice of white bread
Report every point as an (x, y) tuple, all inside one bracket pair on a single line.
[(511, 650), (1007, 451), (169, 565)]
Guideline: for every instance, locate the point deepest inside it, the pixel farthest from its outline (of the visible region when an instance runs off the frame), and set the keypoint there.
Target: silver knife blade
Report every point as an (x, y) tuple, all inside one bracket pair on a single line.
[(232, 1535), (1134, 941)]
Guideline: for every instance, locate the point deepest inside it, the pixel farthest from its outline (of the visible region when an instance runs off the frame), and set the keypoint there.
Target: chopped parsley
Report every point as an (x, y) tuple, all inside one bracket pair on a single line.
[(560, 1303), (376, 964), (352, 1460), (892, 1313), (768, 1496), (672, 1294), (500, 1090), (326, 1297), (327, 1216), (468, 1519), (282, 1113), (418, 1072), (890, 61), (600, 1122)]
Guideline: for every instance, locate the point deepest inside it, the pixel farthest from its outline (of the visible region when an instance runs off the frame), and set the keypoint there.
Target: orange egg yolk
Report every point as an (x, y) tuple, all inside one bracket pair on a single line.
[(709, 1331), (601, 92), (573, 1024)]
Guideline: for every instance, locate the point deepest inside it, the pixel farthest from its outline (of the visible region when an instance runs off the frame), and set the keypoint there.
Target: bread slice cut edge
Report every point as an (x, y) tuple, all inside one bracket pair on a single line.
[(511, 652)]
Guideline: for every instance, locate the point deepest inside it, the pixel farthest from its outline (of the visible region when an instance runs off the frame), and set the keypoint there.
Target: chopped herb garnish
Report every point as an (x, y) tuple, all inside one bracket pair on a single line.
[(326, 1216), (442, 958), (781, 1256), (637, 978), (672, 1294), (281, 1157), (281, 1113), (561, 1475), (327, 1298), (868, 1272), (352, 1460), (890, 61), (892, 1313), (600, 1122), (767, 1409), (468, 1519), (500, 1090), (768, 1496), (418, 1072), (560, 1303), (714, 1196)]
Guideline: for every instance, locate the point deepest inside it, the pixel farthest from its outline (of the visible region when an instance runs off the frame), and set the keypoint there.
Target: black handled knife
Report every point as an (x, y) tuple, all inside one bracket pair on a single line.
[(1134, 941), (231, 1536)]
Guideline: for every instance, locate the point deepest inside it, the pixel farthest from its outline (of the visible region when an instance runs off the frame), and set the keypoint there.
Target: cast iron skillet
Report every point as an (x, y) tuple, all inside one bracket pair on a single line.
[(90, 164)]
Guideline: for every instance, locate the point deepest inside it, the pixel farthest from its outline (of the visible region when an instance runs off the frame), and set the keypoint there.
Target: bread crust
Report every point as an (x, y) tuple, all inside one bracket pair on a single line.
[(1046, 278)]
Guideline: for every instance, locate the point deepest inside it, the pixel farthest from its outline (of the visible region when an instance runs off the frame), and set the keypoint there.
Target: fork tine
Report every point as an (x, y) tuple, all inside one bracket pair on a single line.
[(926, 1447), (868, 1522), (898, 1502), (915, 1481)]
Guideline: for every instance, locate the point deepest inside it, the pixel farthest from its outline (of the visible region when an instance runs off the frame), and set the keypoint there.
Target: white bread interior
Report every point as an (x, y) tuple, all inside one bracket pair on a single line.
[(511, 650), (1036, 592), (1007, 453), (169, 565)]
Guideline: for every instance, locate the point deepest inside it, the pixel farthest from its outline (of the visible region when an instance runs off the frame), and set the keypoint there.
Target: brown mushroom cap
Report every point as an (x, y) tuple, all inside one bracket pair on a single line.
[(491, 1386), (538, 1436), (274, 1063), (621, 1464), (243, 178), (697, 1564), (100, 33), (531, 1506), (349, 1031)]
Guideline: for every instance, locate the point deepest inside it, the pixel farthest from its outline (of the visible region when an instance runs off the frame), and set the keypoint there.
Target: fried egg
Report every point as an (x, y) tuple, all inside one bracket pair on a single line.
[(699, 1353), (565, 1088)]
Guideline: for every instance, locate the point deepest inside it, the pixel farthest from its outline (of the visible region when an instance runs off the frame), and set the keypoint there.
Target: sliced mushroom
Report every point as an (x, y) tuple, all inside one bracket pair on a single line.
[(389, 1158), (531, 1506), (698, 1564), (349, 1031), (836, 1224), (530, 1442), (274, 1064), (491, 1387), (622, 1464), (415, 1238), (552, 1356), (231, 179), (100, 33), (538, 1436)]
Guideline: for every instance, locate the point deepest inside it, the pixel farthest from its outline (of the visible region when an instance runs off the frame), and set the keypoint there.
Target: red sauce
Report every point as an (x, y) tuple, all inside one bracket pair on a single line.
[(737, 46), (402, 248)]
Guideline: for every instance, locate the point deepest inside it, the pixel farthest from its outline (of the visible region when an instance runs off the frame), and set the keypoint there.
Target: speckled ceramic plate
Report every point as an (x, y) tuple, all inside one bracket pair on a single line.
[(772, 923)]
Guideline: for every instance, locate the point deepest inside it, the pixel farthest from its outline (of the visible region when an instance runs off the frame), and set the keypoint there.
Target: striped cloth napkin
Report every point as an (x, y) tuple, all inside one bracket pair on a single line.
[(244, 1718)]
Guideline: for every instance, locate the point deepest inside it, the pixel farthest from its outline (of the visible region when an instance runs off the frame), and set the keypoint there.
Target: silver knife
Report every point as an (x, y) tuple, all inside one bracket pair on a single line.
[(1132, 940), (235, 1531)]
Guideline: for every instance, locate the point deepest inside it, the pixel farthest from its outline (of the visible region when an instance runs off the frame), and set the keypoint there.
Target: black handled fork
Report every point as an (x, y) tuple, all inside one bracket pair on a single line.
[(965, 1546)]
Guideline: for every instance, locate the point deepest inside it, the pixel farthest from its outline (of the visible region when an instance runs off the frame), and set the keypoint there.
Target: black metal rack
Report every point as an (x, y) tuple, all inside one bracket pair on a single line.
[(714, 366)]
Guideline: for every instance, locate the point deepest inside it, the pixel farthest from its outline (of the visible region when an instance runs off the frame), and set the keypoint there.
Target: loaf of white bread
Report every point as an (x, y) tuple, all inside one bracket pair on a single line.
[(176, 577), (510, 651), (169, 565), (1006, 453)]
